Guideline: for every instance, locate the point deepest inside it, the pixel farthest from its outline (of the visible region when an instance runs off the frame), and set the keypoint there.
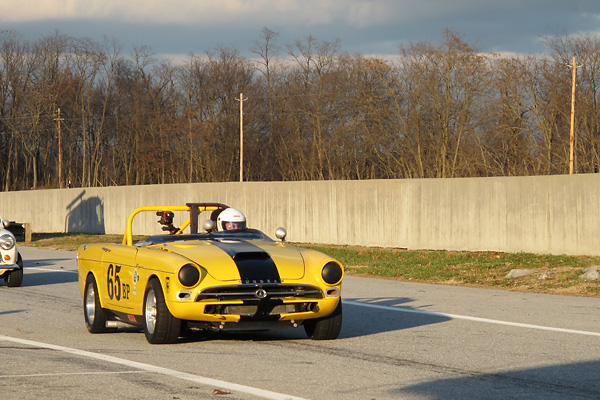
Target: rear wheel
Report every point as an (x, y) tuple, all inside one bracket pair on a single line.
[(95, 315), (14, 278), (326, 328), (160, 326)]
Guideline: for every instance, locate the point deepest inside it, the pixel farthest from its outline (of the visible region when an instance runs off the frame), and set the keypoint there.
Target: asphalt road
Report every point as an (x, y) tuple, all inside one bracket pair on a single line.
[(399, 341)]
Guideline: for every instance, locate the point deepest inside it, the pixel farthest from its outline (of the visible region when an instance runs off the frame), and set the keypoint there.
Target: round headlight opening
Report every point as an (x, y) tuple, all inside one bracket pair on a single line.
[(7, 242), (189, 275), (332, 273)]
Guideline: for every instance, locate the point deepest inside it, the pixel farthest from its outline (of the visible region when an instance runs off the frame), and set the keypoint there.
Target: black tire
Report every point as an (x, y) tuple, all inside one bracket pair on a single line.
[(326, 328), (14, 278), (95, 316), (160, 326)]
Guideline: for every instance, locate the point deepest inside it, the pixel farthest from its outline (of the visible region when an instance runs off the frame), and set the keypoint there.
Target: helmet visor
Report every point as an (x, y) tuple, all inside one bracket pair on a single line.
[(234, 225)]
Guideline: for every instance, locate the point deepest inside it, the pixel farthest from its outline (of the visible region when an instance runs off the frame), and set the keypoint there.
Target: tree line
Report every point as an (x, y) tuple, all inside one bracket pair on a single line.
[(311, 112)]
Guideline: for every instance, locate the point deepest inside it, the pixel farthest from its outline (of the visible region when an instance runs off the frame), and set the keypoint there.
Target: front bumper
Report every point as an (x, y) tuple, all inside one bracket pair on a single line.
[(250, 304), (274, 310), (8, 267)]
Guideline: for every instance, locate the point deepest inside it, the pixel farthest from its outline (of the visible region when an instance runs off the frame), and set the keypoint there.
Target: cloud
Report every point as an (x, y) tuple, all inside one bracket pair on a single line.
[(172, 11), (364, 26), (295, 13), (363, 14)]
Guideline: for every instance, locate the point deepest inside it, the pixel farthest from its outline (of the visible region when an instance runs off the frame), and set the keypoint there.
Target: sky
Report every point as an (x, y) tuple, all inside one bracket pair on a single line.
[(177, 28)]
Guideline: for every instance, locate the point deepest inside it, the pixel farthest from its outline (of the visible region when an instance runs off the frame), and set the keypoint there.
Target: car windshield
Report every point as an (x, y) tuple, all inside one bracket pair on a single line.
[(240, 234)]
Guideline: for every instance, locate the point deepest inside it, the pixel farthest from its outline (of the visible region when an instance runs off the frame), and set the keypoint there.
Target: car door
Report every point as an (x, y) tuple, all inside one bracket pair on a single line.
[(118, 263)]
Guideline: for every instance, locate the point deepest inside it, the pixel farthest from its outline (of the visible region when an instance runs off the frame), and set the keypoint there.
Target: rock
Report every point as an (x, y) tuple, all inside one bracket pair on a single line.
[(519, 272), (546, 275), (590, 274)]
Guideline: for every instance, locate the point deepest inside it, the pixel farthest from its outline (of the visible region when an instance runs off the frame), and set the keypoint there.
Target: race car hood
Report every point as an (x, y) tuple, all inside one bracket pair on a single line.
[(251, 261)]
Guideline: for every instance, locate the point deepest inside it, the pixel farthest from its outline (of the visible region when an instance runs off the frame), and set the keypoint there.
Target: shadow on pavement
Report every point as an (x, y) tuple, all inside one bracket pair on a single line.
[(365, 320), (564, 381)]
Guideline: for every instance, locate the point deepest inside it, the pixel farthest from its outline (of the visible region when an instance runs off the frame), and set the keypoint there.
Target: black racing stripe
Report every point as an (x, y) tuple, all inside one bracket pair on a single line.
[(254, 264)]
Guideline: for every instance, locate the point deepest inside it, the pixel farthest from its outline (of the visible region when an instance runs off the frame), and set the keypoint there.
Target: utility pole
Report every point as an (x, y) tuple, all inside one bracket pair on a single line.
[(241, 100), (60, 174), (572, 133)]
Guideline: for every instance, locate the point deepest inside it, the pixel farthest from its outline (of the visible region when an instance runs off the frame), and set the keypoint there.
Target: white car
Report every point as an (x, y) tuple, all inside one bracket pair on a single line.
[(11, 264)]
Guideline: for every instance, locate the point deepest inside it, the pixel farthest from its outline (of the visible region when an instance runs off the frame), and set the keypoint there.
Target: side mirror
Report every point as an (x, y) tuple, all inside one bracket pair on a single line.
[(208, 225), (281, 233)]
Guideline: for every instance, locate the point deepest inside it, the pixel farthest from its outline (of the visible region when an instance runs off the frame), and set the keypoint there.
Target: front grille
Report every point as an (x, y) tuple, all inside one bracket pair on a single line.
[(260, 309), (271, 292)]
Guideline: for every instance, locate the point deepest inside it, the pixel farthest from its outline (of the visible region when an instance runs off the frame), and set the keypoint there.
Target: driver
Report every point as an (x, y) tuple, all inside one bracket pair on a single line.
[(231, 219)]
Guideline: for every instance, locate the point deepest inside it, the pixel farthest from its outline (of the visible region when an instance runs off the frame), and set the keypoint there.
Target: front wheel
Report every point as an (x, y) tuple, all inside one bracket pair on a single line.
[(160, 326), (95, 315), (14, 278), (326, 328)]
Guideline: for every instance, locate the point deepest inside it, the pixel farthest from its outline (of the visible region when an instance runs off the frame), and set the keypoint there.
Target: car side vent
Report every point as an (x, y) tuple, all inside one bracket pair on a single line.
[(251, 255)]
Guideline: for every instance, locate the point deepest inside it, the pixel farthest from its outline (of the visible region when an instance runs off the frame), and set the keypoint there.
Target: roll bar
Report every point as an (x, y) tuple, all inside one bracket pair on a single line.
[(192, 221)]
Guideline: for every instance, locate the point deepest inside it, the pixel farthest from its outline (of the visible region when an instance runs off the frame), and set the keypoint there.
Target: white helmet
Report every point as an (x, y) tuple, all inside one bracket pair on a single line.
[(230, 219)]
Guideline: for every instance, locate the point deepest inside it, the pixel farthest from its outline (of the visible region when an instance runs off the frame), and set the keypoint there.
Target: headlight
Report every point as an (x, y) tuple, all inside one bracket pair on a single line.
[(7, 242), (189, 275), (332, 273)]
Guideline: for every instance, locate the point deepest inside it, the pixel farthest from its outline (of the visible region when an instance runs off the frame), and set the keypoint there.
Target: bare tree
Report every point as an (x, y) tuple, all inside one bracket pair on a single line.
[(14, 73), (448, 82)]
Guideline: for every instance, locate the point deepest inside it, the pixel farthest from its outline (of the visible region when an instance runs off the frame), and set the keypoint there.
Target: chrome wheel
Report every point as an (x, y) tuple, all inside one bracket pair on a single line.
[(150, 311), (90, 304), (95, 316), (160, 326)]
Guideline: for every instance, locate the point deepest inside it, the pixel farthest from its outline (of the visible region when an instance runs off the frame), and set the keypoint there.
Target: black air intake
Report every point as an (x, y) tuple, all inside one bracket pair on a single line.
[(251, 256)]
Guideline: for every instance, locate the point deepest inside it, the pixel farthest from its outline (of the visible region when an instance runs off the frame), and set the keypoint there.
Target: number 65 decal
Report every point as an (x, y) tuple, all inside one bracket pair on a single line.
[(116, 290), (113, 282)]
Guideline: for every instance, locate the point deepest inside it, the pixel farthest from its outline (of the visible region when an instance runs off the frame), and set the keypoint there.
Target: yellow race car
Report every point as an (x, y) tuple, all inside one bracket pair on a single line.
[(227, 278)]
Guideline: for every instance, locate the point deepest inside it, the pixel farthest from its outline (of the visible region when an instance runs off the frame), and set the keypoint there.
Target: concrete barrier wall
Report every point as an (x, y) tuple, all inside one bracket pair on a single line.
[(543, 214)]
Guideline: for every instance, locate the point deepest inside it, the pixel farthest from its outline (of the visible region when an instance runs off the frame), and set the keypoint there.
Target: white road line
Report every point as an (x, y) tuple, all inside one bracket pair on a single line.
[(476, 319), (73, 373), (51, 270), (159, 370)]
